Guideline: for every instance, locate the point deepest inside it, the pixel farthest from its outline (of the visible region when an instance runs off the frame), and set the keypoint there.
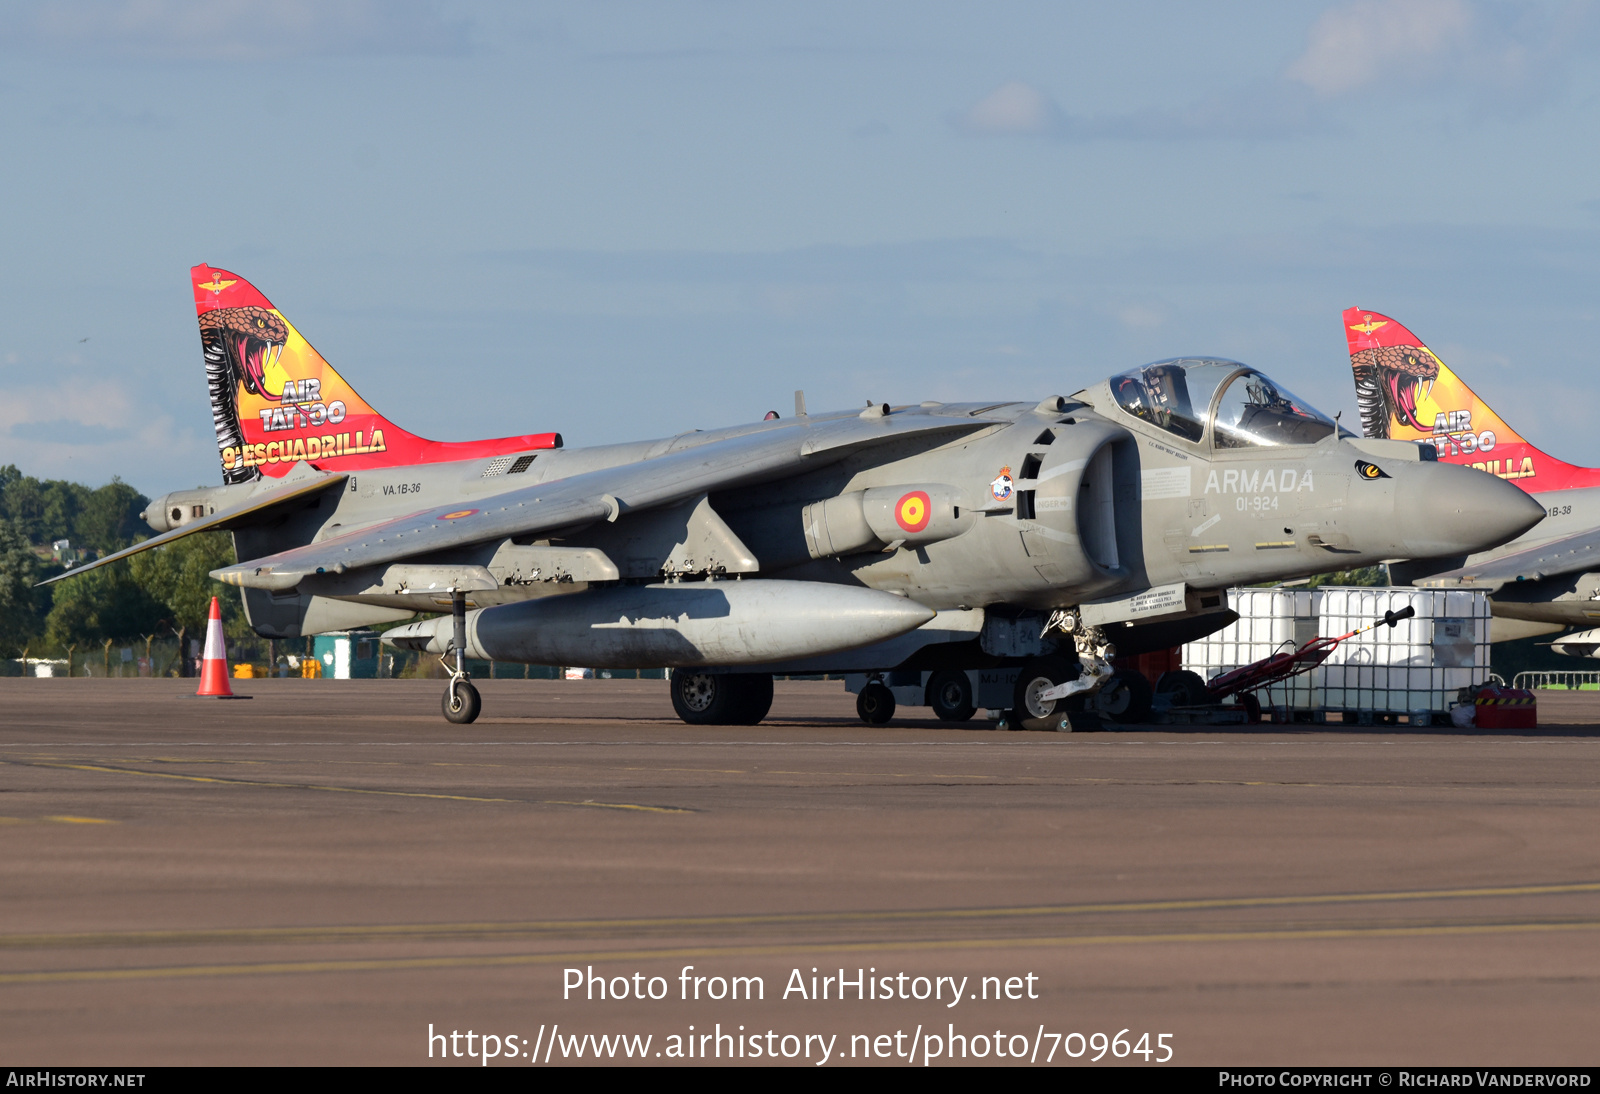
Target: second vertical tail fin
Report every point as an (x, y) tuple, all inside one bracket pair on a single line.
[(1406, 393)]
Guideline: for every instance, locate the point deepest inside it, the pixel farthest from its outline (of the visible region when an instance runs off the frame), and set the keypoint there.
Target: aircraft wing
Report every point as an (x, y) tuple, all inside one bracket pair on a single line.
[(231, 517), (603, 494), (1577, 553)]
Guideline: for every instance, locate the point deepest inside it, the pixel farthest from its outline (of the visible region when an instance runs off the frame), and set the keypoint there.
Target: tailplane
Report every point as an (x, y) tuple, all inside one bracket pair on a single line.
[(1406, 393), (275, 402)]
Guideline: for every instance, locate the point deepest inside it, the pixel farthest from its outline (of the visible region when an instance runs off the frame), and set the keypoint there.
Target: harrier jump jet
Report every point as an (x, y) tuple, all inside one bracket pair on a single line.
[(1543, 581), (1041, 537)]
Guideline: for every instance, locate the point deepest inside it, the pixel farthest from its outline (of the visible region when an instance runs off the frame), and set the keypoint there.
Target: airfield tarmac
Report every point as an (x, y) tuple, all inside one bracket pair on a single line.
[(318, 874)]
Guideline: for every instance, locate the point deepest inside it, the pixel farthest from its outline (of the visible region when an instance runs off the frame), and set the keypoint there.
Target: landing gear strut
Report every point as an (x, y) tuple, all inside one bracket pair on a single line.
[(461, 702), (1052, 686)]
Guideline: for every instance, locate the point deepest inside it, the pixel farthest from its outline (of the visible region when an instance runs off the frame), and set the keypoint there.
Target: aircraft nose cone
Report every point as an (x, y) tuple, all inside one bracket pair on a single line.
[(1448, 510)]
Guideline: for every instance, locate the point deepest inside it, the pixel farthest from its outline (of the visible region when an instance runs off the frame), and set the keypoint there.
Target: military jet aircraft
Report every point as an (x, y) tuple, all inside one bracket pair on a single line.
[(1546, 579), (1040, 537)]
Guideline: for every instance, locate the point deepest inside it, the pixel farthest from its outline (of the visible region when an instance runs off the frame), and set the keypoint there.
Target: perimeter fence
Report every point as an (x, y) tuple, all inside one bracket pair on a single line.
[(1557, 681)]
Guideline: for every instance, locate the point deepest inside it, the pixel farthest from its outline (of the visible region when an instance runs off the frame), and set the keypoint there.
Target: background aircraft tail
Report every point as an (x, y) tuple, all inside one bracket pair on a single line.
[(276, 402), (1406, 393)]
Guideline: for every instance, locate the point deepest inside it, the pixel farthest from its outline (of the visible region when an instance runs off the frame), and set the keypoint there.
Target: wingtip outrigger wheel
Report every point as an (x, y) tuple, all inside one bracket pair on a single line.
[(461, 701), (875, 704)]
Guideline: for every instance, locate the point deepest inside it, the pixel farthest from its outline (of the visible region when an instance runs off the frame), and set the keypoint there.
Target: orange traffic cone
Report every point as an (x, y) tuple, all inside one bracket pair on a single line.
[(214, 660)]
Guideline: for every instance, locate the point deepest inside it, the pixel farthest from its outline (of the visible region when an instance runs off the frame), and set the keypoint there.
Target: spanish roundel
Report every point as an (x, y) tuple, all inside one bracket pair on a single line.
[(913, 511)]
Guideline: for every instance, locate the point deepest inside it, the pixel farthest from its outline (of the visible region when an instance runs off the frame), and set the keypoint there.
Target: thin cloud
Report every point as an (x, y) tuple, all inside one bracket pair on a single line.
[(1357, 44), (1012, 108), (230, 30), (1252, 113), (1019, 109), (1490, 58), (109, 421)]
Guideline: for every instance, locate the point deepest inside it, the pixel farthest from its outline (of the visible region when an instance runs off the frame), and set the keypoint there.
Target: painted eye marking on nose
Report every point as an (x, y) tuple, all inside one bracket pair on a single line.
[(1369, 470), (913, 511)]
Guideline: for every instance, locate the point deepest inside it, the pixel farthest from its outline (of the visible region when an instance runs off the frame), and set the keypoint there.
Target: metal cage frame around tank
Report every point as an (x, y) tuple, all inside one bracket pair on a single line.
[(1415, 668)]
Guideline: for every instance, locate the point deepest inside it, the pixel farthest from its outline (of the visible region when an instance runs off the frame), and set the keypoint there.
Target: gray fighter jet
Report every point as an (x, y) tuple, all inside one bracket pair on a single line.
[(1039, 537), (1543, 581)]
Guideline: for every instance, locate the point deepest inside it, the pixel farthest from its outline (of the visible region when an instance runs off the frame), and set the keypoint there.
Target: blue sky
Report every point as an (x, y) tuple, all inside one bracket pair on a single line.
[(621, 220)]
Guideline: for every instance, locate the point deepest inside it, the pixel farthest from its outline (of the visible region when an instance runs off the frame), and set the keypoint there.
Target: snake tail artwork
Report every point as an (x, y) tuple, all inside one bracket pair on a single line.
[(1406, 392), (276, 403)]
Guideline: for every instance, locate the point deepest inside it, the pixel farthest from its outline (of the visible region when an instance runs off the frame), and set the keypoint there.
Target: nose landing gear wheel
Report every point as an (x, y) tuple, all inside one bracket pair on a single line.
[(465, 705), (1037, 675)]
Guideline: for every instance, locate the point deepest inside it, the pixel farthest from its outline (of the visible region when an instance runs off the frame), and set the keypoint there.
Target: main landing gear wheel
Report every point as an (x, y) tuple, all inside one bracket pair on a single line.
[(721, 698), (461, 703), (950, 695), (1037, 675), (755, 697), (1125, 698), (875, 704), (1185, 687)]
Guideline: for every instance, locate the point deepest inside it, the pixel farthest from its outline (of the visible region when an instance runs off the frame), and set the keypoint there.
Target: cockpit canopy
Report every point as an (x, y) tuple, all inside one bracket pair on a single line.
[(1246, 410)]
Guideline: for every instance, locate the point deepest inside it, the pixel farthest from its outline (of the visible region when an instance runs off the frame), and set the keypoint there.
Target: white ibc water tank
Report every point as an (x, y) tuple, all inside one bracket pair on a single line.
[(1417, 665)]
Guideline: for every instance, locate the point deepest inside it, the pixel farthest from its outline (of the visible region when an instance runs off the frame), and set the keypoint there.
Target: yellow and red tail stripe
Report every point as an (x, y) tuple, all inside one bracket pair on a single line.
[(1406, 392), (275, 401)]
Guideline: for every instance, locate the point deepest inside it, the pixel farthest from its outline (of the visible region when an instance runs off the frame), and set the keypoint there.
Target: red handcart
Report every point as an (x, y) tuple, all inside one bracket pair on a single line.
[(1245, 680)]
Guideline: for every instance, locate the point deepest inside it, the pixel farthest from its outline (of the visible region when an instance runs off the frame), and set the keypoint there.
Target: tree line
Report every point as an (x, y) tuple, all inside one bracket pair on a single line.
[(160, 592)]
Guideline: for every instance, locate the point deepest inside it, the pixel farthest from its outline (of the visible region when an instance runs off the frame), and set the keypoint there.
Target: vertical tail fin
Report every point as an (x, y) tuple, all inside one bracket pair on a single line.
[(1406, 393), (275, 402)]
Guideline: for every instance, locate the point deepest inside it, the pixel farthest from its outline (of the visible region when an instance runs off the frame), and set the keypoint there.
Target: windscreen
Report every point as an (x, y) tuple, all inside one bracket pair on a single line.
[(1255, 412)]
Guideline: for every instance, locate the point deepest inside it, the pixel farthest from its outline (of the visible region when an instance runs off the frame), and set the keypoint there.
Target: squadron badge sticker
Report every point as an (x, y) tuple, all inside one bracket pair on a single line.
[(1001, 486)]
